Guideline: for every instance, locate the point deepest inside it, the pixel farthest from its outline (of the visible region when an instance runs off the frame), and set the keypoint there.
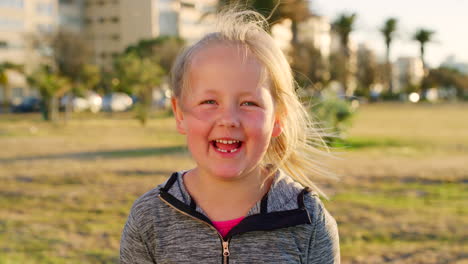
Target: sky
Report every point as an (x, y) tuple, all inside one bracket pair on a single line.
[(448, 18)]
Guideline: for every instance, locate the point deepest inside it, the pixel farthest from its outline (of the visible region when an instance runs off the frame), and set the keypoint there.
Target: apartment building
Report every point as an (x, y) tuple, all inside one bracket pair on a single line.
[(113, 25), (196, 18), (71, 15), (19, 21)]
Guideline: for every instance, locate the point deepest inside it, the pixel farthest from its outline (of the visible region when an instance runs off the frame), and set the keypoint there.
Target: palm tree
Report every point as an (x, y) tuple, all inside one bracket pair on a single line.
[(423, 36), (343, 26), (4, 67), (388, 32)]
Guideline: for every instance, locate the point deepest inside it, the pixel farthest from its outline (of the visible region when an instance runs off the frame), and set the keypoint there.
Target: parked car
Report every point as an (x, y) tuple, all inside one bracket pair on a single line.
[(116, 102), (27, 104), (92, 102)]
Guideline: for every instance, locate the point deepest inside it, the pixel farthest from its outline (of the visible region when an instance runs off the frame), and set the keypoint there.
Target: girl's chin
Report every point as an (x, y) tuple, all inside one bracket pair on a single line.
[(230, 173), (226, 173)]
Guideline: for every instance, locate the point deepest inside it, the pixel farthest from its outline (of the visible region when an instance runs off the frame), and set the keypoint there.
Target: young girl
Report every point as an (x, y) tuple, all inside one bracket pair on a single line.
[(254, 146)]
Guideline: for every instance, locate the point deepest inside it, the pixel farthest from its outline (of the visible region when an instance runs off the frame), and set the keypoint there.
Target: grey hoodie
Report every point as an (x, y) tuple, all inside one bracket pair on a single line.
[(289, 225)]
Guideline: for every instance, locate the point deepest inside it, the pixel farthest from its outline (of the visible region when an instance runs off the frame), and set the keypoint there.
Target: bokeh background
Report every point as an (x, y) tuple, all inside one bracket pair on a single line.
[(85, 124)]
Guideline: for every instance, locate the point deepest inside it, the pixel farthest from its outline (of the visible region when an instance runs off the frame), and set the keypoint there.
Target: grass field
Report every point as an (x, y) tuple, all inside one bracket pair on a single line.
[(65, 191)]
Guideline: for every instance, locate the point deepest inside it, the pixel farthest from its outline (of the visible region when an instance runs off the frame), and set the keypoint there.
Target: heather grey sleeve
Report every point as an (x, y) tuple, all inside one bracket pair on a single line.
[(324, 246), (133, 248)]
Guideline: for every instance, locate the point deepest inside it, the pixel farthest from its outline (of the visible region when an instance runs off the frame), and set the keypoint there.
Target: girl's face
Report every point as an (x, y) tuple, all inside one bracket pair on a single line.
[(227, 113)]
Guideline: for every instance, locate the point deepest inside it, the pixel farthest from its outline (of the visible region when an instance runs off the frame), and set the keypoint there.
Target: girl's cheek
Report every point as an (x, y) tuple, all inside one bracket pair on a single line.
[(203, 115), (256, 119)]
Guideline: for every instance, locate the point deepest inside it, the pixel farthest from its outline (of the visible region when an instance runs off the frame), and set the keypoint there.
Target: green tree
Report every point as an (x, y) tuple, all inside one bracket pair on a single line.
[(155, 57), (444, 77), (162, 50), (423, 36), (138, 76), (51, 86), (388, 31), (69, 55), (367, 71), (343, 26), (276, 11), (4, 82), (334, 113)]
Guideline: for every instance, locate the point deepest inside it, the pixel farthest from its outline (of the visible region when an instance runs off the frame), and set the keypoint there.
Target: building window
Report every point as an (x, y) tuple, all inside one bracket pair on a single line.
[(101, 20), (45, 28), (115, 19), (187, 5), (17, 92), (46, 9), (101, 3), (103, 55), (115, 37), (3, 44), (12, 3), (88, 20), (11, 24)]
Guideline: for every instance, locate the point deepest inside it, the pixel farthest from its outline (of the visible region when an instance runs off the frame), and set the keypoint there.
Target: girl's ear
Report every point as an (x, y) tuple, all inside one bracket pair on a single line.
[(179, 116), (277, 129)]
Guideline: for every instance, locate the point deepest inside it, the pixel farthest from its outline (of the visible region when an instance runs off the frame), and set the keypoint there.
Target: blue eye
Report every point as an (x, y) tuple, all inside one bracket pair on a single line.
[(209, 102), (249, 103)]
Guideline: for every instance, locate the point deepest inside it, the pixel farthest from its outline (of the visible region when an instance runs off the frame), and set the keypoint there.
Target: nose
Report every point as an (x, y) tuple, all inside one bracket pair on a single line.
[(229, 118)]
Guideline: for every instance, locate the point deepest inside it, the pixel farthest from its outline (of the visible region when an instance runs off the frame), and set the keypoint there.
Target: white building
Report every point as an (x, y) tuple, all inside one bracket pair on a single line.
[(407, 71), (314, 31), (19, 21), (113, 25), (71, 15)]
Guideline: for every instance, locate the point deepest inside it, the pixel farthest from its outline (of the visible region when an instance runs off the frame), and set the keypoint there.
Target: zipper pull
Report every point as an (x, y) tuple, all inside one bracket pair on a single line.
[(226, 249), (226, 252)]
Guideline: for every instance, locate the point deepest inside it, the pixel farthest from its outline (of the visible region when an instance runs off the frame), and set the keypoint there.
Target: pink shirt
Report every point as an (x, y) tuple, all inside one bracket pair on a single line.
[(225, 226)]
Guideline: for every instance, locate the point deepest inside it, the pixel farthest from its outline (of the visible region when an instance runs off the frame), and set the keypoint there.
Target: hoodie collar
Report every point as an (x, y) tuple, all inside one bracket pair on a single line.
[(282, 195), (283, 206)]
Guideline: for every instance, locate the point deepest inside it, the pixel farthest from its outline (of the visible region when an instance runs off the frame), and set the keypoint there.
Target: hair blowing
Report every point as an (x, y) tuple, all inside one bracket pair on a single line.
[(299, 149)]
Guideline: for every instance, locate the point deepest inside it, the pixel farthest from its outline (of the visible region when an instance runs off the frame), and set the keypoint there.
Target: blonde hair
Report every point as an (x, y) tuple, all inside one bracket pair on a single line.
[(300, 147)]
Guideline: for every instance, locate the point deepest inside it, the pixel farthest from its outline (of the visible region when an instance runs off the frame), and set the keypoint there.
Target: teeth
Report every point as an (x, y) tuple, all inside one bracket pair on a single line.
[(227, 141), (227, 151)]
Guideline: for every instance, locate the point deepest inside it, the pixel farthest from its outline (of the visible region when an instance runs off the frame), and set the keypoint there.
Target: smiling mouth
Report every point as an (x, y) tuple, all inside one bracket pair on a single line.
[(226, 146)]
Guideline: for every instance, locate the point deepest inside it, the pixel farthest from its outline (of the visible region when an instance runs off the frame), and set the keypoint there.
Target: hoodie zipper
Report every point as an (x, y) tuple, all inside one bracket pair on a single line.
[(225, 243), (226, 252)]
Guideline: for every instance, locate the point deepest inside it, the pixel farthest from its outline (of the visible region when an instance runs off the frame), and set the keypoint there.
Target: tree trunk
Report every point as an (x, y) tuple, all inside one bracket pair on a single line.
[(389, 72), (346, 70), (53, 108), (294, 31), (6, 98), (68, 107)]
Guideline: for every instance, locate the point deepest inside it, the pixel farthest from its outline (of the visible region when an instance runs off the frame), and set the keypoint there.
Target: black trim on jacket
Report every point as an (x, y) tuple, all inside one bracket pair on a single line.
[(258, 222)]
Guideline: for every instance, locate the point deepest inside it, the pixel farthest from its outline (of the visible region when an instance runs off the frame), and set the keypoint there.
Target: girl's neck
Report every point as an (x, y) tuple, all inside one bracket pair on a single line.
[(226, 199)]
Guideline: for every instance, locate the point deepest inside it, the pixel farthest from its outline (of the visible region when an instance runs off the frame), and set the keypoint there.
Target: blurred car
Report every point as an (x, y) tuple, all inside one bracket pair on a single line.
[(92, 102), (116, 102), (27, 104)]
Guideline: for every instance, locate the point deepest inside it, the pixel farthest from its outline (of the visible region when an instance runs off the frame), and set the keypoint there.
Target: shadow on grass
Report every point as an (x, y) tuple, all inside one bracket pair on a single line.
[(111, 154), (360, 143), (143, 172)]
